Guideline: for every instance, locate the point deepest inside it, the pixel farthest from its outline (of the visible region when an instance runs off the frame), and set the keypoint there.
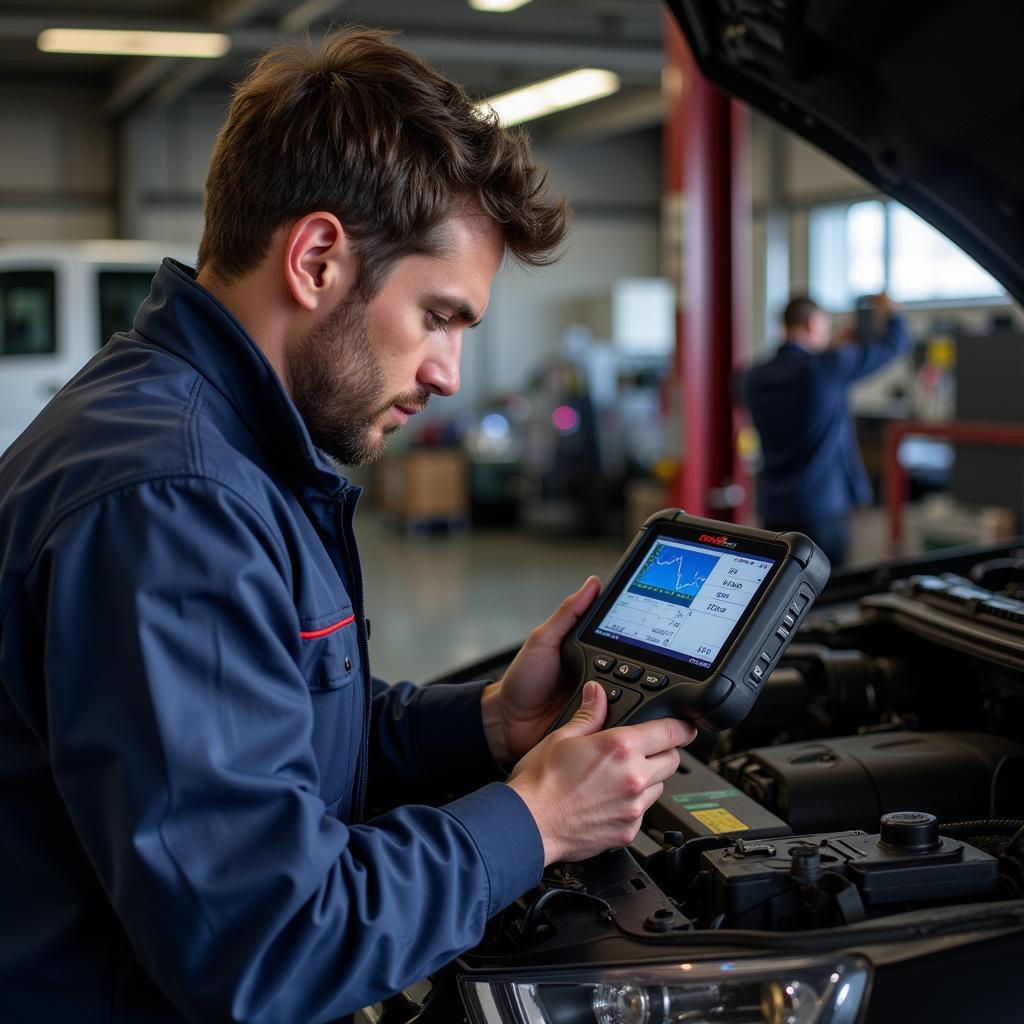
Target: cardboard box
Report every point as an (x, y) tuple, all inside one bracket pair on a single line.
[(424, 485)]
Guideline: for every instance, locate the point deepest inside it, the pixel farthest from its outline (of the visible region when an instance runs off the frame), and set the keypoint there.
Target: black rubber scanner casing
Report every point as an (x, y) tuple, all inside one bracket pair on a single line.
[(729, 692)]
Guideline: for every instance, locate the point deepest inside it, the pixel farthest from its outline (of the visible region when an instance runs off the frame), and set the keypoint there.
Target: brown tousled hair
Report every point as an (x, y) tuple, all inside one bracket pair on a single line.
[(798, 311), (365, 130)]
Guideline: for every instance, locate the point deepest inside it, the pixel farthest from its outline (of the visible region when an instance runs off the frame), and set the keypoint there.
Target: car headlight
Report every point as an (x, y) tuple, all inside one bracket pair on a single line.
[(779, 990)]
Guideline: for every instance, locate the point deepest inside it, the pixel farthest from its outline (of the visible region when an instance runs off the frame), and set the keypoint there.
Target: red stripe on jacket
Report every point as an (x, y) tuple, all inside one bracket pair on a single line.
[(312, 634)]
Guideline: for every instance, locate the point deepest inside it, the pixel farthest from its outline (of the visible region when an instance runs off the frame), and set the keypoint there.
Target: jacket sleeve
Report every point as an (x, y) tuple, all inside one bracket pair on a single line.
[(428, 741), (859, 359), (179, 728)]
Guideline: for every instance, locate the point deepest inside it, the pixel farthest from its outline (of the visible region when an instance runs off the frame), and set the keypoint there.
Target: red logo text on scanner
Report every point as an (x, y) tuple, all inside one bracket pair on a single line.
[(721, 540)]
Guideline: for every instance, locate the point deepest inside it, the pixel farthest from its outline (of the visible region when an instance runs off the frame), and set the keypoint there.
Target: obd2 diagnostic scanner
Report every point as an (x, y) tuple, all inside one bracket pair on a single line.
[(695, 616)]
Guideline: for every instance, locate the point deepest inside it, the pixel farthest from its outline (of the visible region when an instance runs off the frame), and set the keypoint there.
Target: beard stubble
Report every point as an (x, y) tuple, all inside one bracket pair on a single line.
[(337, 385)]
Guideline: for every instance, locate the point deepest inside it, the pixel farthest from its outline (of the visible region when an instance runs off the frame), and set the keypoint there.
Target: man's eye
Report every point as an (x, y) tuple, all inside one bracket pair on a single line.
[(436, 322)]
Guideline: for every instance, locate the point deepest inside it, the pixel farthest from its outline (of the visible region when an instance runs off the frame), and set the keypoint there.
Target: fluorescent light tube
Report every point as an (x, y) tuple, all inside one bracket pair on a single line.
[(497, 6), (551, 95), (132, 43)]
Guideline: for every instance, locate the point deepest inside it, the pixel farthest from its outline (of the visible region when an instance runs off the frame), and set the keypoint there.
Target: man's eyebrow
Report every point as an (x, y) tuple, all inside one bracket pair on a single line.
[(462, 309)]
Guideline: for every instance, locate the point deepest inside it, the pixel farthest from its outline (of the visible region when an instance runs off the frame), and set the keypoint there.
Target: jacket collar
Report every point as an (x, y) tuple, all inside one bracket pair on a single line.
[(790, 348), (185, 319)]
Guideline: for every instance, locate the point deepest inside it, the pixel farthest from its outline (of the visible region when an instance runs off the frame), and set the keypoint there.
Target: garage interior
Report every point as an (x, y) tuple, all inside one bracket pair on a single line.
[(103, 147), (594, 393)]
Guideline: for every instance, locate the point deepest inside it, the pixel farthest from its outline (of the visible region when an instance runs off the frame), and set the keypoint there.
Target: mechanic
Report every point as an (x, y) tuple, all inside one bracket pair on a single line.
[(812, 473), (189, 733)]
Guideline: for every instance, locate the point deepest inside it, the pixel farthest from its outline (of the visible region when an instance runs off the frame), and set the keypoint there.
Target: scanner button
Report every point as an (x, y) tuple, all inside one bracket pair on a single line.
[(652, 681), (626, 671), (782, 633), (602, 663), (614, 693)]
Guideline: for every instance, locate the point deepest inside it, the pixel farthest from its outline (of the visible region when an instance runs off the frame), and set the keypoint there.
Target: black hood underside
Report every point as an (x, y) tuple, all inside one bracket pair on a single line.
[(922, 98)]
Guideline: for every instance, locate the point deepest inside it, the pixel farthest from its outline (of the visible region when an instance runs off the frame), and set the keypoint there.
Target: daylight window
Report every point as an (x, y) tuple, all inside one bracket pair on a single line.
[(925, 265), (865, 234), (847, 252), (873, 245)]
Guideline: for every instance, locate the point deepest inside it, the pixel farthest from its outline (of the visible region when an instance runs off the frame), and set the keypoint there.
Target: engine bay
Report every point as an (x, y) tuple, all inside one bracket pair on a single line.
[(881, 772)]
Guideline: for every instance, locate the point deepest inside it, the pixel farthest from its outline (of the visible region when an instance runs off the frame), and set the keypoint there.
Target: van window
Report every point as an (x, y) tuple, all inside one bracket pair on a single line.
[(27, 312), (121, 292)]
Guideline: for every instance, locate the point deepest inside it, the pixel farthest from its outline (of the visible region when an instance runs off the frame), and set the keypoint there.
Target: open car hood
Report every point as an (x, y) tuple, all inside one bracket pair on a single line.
[(922, 98)]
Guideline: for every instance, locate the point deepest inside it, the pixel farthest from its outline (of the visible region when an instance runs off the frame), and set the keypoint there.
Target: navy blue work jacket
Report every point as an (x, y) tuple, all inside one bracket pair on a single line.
[(798, 401), (187, 719)]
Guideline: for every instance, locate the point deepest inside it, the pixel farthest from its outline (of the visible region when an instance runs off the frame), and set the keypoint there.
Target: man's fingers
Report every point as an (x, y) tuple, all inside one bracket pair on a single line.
[(653, 793), (582, 599), (591, 713), (661, 734), (568, 613), (662, 766)]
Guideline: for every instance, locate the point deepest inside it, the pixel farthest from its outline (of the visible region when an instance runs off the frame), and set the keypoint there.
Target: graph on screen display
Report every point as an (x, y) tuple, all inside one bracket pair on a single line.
[(674, 573)]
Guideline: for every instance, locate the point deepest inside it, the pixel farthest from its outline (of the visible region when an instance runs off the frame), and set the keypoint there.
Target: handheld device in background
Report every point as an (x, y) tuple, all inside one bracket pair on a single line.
[(694, 618), (866, 323)]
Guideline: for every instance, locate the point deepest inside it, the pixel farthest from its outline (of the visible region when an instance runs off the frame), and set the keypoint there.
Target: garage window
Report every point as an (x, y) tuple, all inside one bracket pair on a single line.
[(926, 266), (873, 245), (27, 312), (847, 252)]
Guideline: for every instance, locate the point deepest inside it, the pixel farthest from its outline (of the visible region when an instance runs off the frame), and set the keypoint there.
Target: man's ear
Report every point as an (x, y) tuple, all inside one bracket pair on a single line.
[(320, 267)]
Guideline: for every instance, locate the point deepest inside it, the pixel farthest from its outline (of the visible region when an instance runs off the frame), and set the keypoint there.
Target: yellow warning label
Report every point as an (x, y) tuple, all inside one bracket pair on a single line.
[(720, 820)]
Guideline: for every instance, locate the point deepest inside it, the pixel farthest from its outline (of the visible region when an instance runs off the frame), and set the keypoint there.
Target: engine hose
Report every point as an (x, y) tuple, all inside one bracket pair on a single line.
[(995, 827), (991, 837)]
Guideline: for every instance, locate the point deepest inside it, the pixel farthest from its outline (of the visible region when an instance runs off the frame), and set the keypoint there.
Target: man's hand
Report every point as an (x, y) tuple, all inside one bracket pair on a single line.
[(518, 708), (588, 790), (884, 307)]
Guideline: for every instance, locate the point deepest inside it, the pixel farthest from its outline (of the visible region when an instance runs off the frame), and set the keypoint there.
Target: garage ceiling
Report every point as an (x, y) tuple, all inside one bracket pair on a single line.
[(486, 52)]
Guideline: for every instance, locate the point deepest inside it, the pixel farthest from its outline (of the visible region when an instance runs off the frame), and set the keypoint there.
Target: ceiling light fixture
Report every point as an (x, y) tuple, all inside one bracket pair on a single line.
[(135, 44), (497, 6), (551, 95)]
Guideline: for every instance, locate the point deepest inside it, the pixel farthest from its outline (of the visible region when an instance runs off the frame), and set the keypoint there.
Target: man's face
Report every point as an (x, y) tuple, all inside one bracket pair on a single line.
[(819, 331), (368, 366)]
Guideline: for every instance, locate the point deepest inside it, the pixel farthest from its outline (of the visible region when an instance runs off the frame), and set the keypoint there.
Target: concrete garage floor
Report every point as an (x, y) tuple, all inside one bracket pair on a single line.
[(440, 602)]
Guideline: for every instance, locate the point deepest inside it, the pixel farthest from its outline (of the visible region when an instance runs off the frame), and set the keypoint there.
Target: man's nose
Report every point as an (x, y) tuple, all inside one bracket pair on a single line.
[(439, 373)]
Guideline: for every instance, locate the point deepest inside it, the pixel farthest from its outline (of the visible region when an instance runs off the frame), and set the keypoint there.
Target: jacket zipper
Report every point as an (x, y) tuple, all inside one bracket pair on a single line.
[(345, 514)]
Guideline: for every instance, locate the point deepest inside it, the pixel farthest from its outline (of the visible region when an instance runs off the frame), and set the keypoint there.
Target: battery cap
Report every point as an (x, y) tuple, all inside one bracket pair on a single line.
[(909, 831), (805, 866)]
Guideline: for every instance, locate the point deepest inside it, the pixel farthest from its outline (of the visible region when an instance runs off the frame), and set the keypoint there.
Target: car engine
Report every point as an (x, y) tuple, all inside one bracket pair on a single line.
[(880, 773)]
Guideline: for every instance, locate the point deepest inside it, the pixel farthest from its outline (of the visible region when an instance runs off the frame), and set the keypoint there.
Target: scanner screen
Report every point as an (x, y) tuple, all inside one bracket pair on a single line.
[(684, 600)]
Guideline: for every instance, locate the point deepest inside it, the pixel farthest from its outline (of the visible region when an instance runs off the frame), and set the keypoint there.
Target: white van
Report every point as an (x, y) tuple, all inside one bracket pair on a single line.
[(59, 303)]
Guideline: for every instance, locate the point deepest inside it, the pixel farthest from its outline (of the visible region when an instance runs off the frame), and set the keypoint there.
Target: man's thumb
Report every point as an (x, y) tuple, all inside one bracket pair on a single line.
[(591, 713)]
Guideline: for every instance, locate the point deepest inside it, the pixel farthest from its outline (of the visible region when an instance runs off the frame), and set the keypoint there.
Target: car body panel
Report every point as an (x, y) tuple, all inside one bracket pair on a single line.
[(919, 98)]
